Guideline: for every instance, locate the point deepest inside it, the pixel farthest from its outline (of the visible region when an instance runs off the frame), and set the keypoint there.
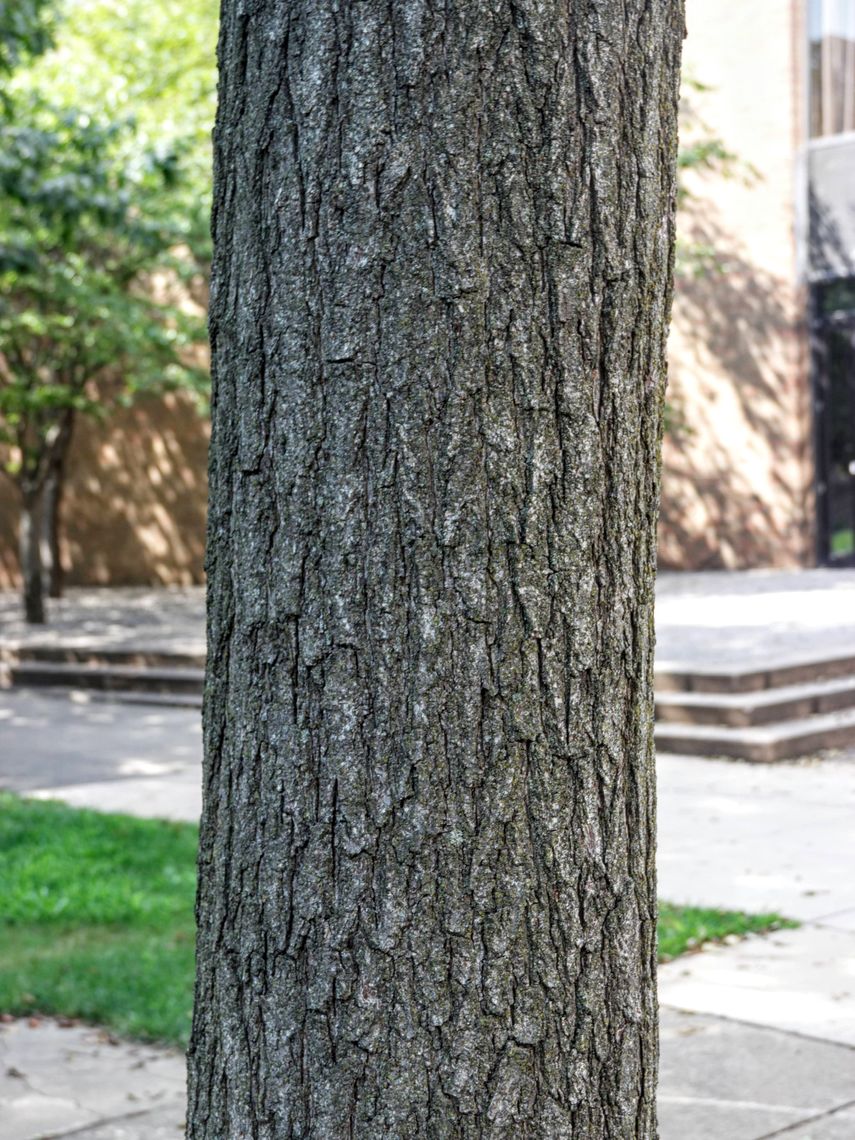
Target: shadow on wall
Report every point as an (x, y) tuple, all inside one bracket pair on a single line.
[(737, 468), (135, 501)]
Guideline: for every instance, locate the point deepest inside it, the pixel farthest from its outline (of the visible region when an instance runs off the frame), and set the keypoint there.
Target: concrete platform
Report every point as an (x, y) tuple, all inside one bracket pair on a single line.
[(57, 1082), (119, 618), (722, 620), (723, 1080), (758, 1038)]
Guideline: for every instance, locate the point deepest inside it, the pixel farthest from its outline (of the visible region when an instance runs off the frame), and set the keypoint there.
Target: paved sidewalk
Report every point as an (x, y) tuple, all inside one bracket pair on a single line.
[(720, 620), (133, 758), (81, 1082), (758, 1038)]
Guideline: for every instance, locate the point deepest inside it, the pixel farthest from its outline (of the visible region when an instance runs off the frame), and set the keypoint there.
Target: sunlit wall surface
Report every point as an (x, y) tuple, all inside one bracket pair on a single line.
[(832, 67)]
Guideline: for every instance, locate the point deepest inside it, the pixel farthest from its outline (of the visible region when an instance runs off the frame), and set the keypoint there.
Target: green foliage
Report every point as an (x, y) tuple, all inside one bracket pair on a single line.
[(104, 202), (85, 222), (25, 30), (701, 152), (151, 61), (683, 928)]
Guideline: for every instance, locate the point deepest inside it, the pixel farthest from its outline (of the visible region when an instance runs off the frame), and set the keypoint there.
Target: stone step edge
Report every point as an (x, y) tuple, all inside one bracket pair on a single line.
[(669, 678), (97, 677), (11, 654), (765, 706), (781, 741), (137, 697)]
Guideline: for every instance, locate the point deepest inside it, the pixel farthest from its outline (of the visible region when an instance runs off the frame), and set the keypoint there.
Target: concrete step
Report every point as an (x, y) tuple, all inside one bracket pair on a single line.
[(729, 680), (766, 706), (86, 655), (113, 678), (780, 741)]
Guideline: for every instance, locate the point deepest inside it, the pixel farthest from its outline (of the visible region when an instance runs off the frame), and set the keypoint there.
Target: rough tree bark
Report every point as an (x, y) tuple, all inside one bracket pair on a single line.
[(443, 241)]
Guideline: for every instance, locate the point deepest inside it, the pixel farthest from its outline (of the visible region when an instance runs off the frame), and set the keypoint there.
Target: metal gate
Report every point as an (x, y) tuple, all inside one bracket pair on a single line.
[(834, 402)]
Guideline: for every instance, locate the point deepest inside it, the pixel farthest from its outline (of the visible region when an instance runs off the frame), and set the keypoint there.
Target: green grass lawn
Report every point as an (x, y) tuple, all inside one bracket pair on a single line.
[(842, 542), (96, 918)]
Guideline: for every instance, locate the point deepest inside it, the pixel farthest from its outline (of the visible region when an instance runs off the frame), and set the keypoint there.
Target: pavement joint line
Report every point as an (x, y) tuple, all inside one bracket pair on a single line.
[(27, 1082), (760, 1025), (102, 1122), (807, 1120), (663, 1098), (821, 919)]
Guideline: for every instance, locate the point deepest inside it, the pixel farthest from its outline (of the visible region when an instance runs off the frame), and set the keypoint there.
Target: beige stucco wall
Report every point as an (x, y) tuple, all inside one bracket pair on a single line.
[(737, 481), (134, 510)]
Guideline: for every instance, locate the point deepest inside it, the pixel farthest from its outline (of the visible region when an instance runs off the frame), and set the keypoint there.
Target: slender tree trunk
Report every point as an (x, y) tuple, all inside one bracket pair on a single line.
[(30, 555), (50, 552), (443, 243), (52, 569)]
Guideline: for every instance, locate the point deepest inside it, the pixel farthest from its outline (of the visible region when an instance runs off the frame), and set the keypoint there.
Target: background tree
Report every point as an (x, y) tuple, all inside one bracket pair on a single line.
[(25, 30), (151, 62), (443, 248), (93, 208), (702, 153), (81, 232)]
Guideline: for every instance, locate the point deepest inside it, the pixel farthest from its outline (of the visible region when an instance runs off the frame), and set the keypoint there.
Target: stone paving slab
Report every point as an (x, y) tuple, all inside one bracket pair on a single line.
[(840, 920), (52, 740), (758, 838), (161, 1124), (721, 619), (832, 1126), (721, 1080), (56, 1080), (801, 981), (177, 798)]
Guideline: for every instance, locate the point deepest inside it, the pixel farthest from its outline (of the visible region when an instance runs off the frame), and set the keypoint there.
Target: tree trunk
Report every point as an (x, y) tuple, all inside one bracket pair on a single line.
[(50, 552), (31, 557), (51, 507), (443, 243)]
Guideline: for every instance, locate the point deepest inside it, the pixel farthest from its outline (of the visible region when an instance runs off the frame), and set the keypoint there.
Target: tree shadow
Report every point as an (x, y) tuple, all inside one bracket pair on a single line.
[(135, 502), (737, 484)]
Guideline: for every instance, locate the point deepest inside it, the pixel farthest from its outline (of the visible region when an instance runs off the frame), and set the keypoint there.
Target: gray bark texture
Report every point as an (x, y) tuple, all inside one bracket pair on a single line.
[(443, 245)]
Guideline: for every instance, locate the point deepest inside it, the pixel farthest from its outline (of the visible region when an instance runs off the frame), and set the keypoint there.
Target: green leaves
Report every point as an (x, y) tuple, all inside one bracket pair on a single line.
[(104, 203), (88, 234), (152, 62), (25, 30)]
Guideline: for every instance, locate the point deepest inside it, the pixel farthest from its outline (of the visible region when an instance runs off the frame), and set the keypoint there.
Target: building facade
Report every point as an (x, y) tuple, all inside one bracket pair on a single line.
[(759, 456), (759, 469)]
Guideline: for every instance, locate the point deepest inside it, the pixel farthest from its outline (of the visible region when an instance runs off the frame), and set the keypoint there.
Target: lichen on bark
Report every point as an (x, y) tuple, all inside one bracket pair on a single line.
[(443, 252)]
